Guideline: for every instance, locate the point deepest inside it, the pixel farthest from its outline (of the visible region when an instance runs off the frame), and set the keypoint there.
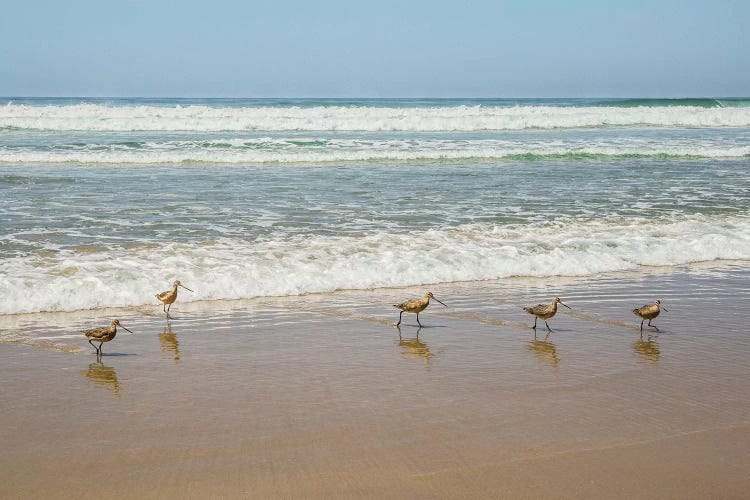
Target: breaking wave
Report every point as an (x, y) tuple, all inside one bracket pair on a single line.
[(233, 269), (320, 150)]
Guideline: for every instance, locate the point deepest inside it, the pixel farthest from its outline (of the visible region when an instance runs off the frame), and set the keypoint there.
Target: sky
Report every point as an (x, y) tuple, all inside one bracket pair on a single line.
[(514, 48)]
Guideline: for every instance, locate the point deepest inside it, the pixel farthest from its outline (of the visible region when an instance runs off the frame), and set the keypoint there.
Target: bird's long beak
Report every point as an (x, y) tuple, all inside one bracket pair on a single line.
[(186, 288), (665, 309), (125, 328), (566, 306), (440, 301)]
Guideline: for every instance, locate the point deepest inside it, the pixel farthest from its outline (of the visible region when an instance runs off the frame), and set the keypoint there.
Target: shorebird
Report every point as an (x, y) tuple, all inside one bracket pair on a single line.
[(544, 311), (170, 296), (103, 334), (415, 306), (649, 312)]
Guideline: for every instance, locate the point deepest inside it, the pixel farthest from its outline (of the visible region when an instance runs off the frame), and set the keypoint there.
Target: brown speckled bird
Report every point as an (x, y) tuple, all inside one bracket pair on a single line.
[(415, 306), (544, 311), (170, 296), (103, 334), (649, 312)]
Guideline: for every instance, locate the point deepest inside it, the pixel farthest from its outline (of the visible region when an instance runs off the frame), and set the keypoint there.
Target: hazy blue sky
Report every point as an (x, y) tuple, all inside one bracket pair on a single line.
[(512, 48)]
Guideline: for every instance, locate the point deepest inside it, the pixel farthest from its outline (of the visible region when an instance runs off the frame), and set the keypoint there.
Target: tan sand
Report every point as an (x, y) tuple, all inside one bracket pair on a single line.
[(319, 397)]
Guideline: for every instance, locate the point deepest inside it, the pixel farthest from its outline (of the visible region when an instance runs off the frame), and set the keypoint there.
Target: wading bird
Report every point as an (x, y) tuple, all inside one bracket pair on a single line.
[(103, 334), (415, 306), (544, 311), (170, 296), (649, 312)]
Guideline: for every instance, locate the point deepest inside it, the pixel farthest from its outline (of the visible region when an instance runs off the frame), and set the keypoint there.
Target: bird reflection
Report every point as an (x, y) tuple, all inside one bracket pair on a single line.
[(544, 350), (169, 342), (413, 347), (103, 376), (648, 348)]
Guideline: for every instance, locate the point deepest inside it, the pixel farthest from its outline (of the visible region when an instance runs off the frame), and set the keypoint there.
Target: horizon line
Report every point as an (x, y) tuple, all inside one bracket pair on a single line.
[(364, 97)]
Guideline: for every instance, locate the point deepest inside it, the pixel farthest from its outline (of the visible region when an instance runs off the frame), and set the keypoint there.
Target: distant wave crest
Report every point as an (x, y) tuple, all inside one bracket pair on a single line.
[(317, 150), (202, 118)]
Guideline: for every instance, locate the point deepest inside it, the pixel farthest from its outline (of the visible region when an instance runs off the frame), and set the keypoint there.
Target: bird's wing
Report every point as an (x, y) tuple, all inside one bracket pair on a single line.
[(94, 333), (408, 304)]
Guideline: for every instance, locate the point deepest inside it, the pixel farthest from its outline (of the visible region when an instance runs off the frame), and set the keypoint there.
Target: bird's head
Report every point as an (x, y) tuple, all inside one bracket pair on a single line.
[(177, 283), (429, 294), (116, 322), (558, 301)]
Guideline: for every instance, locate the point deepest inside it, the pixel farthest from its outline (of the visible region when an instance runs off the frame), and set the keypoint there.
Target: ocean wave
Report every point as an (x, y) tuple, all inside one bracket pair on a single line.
[(319, 151), (233, 269), (202, 118)]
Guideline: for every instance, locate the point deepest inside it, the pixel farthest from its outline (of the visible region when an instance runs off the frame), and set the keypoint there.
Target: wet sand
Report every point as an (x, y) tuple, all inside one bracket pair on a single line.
[(320, 397)]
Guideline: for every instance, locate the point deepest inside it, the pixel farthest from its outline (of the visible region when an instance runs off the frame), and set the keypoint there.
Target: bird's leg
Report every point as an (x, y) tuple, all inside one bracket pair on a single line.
[(642, 324), (534, 327), (548, 328), (92, 345), (399, 319), (652, 326), (420, 324), (100, 348)]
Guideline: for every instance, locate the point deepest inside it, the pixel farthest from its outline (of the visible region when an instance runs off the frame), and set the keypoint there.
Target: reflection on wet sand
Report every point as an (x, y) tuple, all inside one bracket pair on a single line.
[(544, 350), (413, 347), (649, 348), (169, 342), (103, 376)]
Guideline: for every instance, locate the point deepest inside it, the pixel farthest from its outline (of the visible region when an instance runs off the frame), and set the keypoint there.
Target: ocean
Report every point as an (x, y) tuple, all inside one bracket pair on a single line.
[(104, 202)]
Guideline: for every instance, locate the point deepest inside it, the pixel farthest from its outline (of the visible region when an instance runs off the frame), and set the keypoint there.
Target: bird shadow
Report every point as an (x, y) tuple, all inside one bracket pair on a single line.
[(554, 330), (424, 327), (176, 318), (115, 354)]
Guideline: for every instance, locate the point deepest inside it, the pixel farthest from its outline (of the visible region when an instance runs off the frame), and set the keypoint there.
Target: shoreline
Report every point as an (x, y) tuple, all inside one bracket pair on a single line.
[(642, 269)]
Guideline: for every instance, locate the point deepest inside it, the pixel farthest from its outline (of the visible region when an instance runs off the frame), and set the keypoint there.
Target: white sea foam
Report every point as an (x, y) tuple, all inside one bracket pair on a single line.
[(200, 118), (230, 269), (315, 150)]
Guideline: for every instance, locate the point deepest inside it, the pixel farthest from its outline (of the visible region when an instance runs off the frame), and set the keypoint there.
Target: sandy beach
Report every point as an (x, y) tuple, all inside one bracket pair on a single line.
[(319, 396)]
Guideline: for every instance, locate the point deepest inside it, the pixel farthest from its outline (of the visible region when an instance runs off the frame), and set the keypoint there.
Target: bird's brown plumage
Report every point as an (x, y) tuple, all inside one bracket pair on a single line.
[(169, 296), (544, 311), (103, 334), (649, 312), (415, 306)]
